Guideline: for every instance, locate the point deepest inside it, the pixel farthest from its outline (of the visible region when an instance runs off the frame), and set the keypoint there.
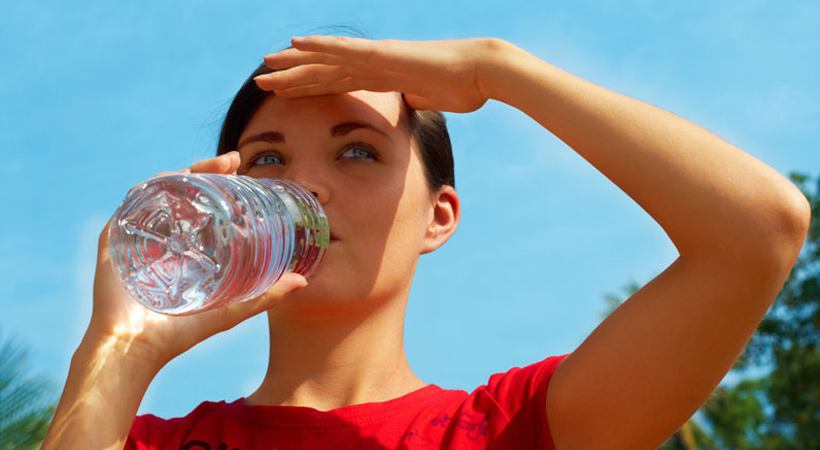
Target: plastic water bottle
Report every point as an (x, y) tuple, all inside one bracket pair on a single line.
[(184, 243)]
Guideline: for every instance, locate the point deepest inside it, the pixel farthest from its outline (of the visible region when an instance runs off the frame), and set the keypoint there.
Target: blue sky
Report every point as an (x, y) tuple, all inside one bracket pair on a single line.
[(95, 98)]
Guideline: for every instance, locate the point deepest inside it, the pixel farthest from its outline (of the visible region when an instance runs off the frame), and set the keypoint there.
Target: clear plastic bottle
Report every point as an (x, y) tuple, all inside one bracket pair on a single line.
[(184, 243)]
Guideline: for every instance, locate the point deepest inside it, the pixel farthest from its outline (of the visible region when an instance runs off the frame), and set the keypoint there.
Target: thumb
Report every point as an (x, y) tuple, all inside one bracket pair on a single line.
[(287, 284), (417, 102)]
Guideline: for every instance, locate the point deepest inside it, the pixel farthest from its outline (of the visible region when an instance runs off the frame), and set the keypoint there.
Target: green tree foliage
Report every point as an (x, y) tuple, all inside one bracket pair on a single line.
[(26, 405), (690, 437), (780, 410), (735, 415)]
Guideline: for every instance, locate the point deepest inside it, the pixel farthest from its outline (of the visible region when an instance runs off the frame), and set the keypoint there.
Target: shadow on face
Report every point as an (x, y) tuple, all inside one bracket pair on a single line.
[(377, 208)]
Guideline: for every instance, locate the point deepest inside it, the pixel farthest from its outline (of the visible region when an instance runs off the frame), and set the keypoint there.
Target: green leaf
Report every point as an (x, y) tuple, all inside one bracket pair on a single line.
[(26, 400)]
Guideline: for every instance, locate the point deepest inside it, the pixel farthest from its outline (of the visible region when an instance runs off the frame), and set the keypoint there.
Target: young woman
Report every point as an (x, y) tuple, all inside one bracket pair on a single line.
[(328, 115)]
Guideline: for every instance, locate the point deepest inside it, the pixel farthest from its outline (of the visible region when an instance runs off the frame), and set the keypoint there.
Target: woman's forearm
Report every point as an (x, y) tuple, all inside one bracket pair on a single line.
[(710, 197), (737, 224), (102, 394)]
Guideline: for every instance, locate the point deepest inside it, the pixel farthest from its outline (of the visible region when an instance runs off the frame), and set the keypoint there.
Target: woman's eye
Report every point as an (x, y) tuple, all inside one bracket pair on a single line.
[(265, 159), (359, 151)]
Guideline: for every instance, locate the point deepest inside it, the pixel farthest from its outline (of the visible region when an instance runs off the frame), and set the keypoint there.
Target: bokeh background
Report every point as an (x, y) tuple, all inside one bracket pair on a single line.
[(97, 96)]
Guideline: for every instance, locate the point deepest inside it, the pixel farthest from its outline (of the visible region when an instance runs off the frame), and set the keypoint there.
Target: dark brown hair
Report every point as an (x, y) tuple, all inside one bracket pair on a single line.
[(428, 128)]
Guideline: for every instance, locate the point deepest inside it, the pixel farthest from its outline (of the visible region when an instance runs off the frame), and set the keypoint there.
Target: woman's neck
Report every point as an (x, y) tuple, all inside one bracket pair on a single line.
[(330, 364)]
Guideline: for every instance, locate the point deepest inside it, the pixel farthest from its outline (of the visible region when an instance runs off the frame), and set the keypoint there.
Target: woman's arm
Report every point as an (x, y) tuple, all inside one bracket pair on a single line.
[(103, 391), (737, 224), (126, 345)]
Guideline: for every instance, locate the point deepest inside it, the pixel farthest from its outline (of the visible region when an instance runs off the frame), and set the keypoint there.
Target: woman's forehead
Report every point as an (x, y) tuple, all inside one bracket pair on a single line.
[(381, 109)]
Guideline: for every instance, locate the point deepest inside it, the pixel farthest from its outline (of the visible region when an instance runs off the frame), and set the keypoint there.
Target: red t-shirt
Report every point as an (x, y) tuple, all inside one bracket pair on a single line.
[(507, 413)]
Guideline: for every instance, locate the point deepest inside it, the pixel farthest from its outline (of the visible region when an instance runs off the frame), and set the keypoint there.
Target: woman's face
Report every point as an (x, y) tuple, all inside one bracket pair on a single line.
[(355, 153)]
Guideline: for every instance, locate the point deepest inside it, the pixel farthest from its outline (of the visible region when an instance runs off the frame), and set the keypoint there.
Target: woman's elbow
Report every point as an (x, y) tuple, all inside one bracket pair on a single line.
[(789, 223)]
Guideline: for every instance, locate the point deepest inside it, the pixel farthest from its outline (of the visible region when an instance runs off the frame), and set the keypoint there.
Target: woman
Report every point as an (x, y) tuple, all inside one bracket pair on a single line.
[(338, 376)]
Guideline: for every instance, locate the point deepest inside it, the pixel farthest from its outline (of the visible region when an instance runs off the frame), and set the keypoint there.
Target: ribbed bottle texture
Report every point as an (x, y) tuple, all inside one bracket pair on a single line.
[(184, 243)]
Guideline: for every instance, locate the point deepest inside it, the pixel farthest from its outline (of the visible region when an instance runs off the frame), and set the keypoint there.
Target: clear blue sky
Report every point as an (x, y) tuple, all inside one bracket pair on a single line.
[(97, 97)]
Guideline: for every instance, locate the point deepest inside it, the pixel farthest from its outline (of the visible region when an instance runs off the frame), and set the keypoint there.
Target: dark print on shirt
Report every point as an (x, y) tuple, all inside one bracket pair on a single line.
[(199, 445), (417, 439), (474, 424)]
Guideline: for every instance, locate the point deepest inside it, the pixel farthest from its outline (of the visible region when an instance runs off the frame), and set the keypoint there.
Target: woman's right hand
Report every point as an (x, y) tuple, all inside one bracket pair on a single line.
[(126, 345), (128, 327)]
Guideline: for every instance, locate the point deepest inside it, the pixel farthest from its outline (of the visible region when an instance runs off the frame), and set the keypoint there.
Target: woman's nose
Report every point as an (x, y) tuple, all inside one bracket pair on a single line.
[(320, 192), (311, 179)]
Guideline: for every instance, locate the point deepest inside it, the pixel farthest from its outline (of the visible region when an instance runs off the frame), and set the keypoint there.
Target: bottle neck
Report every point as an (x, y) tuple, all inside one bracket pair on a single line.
[(311, 230)]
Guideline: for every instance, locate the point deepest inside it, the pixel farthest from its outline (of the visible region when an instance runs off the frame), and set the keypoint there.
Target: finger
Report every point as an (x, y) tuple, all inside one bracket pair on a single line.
[(220, 164), (287, 284), (347, 85), (322, 80), (227, 163), (379, 54), (236, 161), (292, 57), (186, 170), (418, 102), (334, 45), (302, 76)]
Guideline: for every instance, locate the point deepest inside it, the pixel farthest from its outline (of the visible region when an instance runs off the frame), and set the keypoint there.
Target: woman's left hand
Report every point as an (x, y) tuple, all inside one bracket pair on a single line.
[(442, 75)]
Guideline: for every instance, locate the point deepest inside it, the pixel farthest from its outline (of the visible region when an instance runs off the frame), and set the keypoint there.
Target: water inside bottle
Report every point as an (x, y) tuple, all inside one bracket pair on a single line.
[(173, 247), (186, 243)]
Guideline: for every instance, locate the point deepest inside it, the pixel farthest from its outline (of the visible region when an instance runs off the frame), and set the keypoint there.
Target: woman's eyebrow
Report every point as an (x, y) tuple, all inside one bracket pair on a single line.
[(345, 128), (266, 136), (338, 130)]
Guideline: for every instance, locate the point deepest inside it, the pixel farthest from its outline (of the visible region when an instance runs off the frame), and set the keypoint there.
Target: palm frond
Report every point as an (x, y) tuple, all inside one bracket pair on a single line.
[(26, 400)]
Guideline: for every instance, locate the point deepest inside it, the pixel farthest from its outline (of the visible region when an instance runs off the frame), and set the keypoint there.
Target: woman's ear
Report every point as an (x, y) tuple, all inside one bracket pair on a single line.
[(444, 218)]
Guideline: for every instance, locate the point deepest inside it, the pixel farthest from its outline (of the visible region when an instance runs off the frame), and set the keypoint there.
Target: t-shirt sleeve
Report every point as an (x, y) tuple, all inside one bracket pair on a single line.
[(521, 394)]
